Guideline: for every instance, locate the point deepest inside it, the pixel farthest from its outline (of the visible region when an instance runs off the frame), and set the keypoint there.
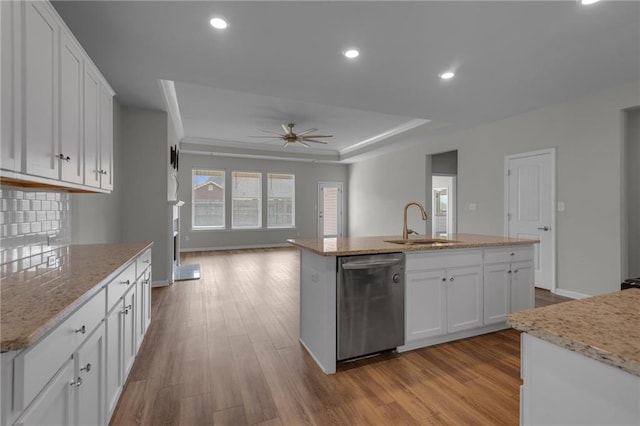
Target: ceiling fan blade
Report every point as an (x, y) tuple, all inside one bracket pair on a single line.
[(306, 131), (312, 140), (302, 143), (271, 137), (288, 130), (267, 131), (318, 136)]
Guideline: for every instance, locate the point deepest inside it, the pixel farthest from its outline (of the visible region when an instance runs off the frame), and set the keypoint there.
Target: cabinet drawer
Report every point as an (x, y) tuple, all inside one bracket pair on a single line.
[(508, 254), (117, 287), (143, 262), (422, 261), (36, 365)]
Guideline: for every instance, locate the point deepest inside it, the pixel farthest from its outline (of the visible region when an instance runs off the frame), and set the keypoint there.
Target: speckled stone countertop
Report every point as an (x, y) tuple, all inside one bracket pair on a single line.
[(366, 245), (605, 328), (31, 305)]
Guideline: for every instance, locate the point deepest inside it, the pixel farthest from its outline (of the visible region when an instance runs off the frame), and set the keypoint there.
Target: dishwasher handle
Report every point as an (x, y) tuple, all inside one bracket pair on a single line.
[(383, 263)]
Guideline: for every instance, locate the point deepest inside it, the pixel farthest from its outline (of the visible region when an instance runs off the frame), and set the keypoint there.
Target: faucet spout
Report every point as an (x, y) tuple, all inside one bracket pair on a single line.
[(405, 230)]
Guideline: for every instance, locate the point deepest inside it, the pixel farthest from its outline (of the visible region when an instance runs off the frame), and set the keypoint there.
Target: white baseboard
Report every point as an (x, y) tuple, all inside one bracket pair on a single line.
[(570, 294), (257, 246)]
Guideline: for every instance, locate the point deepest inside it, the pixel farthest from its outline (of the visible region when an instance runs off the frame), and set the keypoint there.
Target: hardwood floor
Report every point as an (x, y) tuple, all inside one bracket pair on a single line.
[(545, 298), (224, 350)]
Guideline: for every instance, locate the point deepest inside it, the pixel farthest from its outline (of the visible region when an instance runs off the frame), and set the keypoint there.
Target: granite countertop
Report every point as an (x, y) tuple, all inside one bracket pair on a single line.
[(366, 245), (605, 328), (32, 304)]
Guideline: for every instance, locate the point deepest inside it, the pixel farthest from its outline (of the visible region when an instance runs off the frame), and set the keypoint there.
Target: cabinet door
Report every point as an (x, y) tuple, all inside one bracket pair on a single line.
[(522, 288), (71, 169), (113, 359), (11, 74), (425, 304), (497, 294), (40, 90), (91, 127), (54, 405), (147, 300), (464, 298), (90, 369), (129, 330), (139, 311), (106, 139)]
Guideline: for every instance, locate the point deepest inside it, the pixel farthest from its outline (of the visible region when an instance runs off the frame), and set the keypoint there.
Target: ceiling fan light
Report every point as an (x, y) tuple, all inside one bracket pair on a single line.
[(448, 75), (351, 53), (218, 23), (588, 2)]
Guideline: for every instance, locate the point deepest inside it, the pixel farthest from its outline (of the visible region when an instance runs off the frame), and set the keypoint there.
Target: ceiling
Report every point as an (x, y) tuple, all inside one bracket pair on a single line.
[(281, 62)]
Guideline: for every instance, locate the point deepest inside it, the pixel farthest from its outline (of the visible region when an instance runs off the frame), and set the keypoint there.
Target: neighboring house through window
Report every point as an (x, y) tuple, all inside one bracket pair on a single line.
[(208, 199)]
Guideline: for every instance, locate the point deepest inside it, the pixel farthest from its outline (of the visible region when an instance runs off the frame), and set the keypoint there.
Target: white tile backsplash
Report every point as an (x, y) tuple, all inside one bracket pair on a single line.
[(34, 225)]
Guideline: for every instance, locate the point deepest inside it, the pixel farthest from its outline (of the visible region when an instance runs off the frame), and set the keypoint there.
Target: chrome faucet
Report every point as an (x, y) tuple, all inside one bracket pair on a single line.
[(406, 231)]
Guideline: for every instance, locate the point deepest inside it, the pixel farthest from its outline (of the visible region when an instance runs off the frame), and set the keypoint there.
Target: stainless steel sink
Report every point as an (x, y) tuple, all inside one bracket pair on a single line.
[(421, 241)]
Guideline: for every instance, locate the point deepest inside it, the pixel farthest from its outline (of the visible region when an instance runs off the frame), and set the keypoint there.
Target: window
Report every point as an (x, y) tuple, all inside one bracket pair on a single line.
[(281, 190), (208, 199), (246, 202)]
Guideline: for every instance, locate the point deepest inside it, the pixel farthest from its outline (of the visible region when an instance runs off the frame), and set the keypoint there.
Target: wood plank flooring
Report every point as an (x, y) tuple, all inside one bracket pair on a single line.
[(224, 350)]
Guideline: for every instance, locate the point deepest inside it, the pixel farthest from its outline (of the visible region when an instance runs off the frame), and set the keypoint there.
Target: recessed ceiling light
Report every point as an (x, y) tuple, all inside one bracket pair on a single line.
[(218, 23), (588, 2), (447, 75), (351, 53)]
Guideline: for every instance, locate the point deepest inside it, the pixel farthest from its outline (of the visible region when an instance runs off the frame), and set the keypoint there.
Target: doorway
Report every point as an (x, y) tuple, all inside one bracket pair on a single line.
[(443, 197), (330, 209), (530, 208)]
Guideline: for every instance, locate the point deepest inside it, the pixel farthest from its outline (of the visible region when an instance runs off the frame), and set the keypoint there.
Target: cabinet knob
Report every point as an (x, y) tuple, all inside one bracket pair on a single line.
[(512, 254), (451, 279), (515, 272), (145, 261), (64, 157), (87, 368), (509, 271), (82, 330), (444, 279), (76, 382), (102, 172), (127, 282)]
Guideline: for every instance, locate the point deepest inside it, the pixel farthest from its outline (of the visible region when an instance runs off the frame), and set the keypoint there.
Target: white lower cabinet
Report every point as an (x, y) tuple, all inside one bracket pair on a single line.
[(459, 293), (54, 404), (89, 378), (75, 374)]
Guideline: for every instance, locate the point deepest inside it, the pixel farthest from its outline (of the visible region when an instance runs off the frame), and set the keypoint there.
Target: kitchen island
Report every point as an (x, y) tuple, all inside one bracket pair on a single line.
[(459, 286), (580, 361)]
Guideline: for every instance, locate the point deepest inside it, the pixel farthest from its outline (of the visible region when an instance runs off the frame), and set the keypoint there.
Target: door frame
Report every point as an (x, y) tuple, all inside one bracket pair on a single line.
[(320, 202), (554, 203)]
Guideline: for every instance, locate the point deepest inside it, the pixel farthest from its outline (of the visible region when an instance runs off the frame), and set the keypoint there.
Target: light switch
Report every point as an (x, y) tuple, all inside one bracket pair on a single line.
[(560, 206), (473, 207)]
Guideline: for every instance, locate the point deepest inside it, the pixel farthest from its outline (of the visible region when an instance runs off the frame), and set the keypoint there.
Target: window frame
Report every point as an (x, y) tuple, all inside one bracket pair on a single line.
[(195, 227), (292, 225), (260, 200)]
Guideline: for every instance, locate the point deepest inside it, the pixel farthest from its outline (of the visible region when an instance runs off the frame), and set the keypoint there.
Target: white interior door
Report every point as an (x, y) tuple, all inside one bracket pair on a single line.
[(329, 209), (529, 204)]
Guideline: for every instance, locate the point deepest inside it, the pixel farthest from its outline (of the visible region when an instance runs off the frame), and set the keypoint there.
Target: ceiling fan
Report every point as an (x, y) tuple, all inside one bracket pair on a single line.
[(290, 137)]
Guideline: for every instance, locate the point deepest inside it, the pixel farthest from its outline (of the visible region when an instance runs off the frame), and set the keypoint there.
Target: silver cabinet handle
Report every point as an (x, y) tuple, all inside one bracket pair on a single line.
[(544, 228), (76, 382), (82, 330), (87, 368)]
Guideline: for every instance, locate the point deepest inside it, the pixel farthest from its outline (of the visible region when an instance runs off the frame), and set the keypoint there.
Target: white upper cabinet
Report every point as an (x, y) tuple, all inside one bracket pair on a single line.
[(41, 90), (70, 156), (10, 95), (56, 106)]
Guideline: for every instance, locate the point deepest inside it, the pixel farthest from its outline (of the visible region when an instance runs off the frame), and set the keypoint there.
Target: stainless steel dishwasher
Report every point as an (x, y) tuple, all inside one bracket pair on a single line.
[(370, 304)]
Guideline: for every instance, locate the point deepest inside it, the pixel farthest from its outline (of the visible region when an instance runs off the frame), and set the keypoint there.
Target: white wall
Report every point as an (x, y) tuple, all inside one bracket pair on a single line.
[(633, 192), (307, 176), (95, 218), (588, 135)]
